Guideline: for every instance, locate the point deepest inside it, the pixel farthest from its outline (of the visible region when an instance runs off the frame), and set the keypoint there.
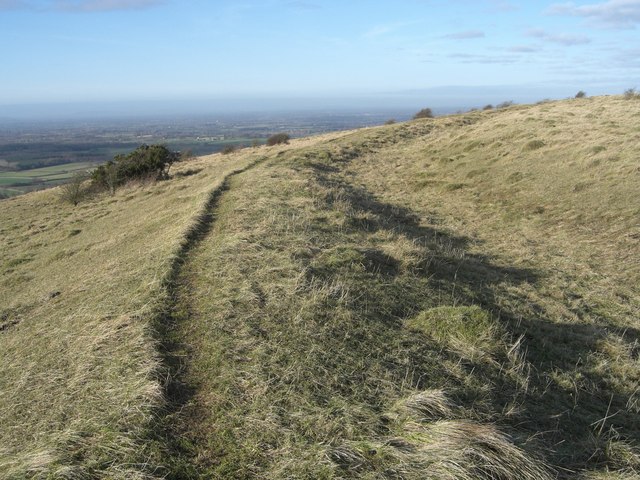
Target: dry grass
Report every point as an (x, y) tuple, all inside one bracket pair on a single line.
[(444, 298), (79, 288)]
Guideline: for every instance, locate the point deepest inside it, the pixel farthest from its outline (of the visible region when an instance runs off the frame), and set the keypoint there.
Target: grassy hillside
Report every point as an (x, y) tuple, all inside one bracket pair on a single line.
[(79, 289), (444, 298)]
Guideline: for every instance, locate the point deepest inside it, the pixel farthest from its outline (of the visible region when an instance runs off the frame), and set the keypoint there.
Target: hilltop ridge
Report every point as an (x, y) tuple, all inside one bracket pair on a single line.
[(443, 298)]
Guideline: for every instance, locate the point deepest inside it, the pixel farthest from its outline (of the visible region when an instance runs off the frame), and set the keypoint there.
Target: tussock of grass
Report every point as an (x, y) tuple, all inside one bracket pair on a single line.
[(534, 145)]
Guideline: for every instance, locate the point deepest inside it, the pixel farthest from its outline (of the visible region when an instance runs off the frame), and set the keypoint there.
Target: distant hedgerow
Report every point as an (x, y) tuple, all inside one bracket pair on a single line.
[(278, 139), (146, 161)]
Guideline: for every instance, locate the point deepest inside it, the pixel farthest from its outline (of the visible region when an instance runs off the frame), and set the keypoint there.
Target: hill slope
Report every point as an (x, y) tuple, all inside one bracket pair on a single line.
[(448, 298)]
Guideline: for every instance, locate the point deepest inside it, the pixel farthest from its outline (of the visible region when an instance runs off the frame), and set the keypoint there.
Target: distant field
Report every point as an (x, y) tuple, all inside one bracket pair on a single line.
[(16, 183), (38, 154)]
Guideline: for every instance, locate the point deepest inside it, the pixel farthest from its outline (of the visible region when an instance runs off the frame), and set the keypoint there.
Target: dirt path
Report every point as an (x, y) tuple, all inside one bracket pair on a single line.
[(175, 348)]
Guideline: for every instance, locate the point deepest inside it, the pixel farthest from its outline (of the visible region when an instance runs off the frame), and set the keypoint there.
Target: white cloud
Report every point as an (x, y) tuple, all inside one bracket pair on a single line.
[(381, 30), (78, 5), (559, 38), (523, 49), (11, 4), (301, 5), (466, 35), (103, 5), (470, 58), (612, 13)]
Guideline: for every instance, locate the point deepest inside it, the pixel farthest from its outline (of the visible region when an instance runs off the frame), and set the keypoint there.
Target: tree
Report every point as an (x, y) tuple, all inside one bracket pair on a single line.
[(581, 94), (424, 113)]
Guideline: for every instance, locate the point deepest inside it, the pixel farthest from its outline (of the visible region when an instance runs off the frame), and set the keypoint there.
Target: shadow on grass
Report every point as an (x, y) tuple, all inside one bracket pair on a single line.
[(576, 425)]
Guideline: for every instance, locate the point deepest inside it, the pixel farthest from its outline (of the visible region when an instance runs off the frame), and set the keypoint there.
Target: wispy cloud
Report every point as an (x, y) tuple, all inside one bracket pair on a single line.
[(103, 5), (612, 13), (523, 49), (301, 5), (12, 4), (381, 30), (466, 35), (503, 6), (484, 59), (79, 5), (565, 39)]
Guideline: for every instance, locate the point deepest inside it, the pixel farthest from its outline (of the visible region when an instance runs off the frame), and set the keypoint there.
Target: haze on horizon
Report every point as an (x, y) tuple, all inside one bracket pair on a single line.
[(74, 57)]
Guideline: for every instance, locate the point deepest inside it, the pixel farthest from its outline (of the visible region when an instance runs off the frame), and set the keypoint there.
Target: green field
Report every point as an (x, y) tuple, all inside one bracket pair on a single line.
[(16, 183)]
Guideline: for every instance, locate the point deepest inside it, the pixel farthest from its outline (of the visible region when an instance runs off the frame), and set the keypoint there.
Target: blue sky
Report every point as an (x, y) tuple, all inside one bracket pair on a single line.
[(391, 50)]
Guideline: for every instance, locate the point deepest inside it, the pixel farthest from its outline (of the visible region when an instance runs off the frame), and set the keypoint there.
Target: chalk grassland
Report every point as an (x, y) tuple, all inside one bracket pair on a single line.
[(445, 298), (79, 287), (82, 289), (545, 200), (449, 298)]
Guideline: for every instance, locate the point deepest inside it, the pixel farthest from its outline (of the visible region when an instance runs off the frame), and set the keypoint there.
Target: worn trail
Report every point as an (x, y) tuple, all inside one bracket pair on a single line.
[(174, 347)]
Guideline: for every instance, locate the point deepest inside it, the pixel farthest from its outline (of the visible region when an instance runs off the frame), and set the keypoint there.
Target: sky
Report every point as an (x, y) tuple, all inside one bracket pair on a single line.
[(297, 52)]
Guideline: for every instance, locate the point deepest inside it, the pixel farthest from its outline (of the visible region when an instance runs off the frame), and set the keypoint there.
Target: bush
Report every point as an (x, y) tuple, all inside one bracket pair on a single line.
[(487, 107), (631, 93), (146, 161), (278, 139), (229, 149), (391, 121), (424, 113), (581, 94), (506, 104), (75, 190)]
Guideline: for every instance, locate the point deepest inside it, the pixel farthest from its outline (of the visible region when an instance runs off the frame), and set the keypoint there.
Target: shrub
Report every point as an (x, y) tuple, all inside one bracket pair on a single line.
[(146, 161), (581, 94), (75, 190), (391, 121), (631, 93), (424, 113), (506, 104), (229, 149), (487, 107), (278, 139)]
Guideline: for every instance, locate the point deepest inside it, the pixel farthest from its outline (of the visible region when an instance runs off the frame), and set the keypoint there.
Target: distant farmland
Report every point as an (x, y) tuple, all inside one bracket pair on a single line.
[(18, 182)]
